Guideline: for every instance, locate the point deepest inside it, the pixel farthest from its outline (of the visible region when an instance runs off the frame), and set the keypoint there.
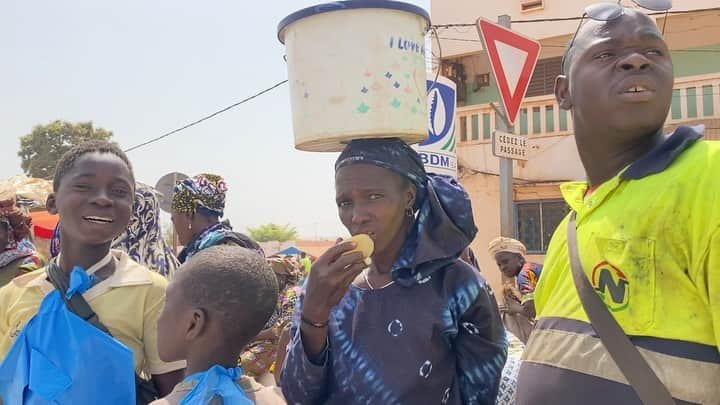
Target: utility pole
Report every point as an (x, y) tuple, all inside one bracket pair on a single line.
[(507, 217)]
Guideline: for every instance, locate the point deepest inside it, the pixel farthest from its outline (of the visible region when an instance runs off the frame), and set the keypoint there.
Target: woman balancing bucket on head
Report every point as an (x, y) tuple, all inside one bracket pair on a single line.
[(418, 325)]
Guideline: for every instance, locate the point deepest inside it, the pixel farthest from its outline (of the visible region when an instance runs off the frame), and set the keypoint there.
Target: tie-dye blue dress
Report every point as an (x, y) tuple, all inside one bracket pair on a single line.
[(440, 341)]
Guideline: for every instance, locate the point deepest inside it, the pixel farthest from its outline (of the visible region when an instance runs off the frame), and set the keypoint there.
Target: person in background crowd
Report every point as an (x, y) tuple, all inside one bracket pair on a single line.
[(306, 263), (519, 280), (207, 322), (417, 325), (258, 359), (197, 206), (143, 239), (17, 253)]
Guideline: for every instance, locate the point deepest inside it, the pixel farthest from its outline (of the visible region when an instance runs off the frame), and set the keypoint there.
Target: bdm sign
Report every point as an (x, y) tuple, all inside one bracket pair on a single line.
[(510, 146), (438, 152)]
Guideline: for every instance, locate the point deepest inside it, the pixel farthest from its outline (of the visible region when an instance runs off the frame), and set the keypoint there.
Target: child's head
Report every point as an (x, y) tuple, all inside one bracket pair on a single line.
[(93, 191), (219, 299)]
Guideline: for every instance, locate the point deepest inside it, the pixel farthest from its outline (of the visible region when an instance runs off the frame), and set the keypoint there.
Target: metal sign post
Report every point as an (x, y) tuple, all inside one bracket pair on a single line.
[(507, 217), (513, 58)]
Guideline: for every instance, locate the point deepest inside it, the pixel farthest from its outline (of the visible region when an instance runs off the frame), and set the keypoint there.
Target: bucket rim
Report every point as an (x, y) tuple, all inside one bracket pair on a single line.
[(348, 5)]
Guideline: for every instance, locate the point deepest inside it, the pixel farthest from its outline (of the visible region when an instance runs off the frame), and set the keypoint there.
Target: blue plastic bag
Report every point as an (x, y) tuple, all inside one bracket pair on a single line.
[(58, 358), (217, 381)]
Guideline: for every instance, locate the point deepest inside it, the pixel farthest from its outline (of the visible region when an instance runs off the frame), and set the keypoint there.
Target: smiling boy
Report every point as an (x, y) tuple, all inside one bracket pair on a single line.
[(93, 192), (648, 226)]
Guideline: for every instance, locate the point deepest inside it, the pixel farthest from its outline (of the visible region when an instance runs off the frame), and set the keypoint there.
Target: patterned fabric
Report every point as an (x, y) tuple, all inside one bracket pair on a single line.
[(11, 255), (436, 342), (218, 234), (143, 239), (528, 277), (287, 266), (204, 193), (259, 357), (508, 382), (439, 199), (17, 225), (288, 301)]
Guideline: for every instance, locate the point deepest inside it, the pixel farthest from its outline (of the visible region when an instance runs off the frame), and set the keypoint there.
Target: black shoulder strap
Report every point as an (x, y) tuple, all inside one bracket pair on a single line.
[(76, 303), (631, 363)]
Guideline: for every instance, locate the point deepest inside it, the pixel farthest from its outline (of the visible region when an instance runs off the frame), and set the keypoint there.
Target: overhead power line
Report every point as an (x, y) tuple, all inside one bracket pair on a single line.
[(557, 19), (207, 117), (711, 50), (434, 27)]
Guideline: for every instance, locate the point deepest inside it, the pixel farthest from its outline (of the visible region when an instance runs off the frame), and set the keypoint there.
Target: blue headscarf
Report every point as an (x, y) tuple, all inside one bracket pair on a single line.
[(444, 224)]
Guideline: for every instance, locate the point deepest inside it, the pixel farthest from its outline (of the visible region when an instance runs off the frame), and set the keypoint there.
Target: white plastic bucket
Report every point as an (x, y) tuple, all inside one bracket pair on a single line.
[(356, 69)]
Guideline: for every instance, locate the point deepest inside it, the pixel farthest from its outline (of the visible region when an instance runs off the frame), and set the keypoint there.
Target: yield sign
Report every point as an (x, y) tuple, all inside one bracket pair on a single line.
[(513, 58)]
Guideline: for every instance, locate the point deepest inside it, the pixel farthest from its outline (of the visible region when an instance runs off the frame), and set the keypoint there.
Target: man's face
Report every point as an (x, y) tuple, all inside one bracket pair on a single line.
[(509, 264), (620, 76)]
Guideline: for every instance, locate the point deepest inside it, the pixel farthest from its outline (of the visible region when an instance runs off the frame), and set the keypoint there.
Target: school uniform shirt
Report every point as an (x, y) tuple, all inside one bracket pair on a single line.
[(257, 393), (649, 242), (128, 303)]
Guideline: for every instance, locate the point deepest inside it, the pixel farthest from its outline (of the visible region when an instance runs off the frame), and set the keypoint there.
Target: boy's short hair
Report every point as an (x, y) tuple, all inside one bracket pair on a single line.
[(234, 282), (68, 159)]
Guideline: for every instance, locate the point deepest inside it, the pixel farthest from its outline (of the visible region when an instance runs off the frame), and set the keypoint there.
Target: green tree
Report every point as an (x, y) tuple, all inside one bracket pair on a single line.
[(273, 232), (41, 149)]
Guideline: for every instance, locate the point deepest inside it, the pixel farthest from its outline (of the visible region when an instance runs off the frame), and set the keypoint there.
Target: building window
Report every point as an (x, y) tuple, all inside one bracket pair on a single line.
[(543, 78), (531, 5), (536, 222)]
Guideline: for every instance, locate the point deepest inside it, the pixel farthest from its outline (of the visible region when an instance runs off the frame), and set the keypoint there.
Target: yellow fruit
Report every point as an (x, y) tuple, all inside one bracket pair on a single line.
[(364, 245)]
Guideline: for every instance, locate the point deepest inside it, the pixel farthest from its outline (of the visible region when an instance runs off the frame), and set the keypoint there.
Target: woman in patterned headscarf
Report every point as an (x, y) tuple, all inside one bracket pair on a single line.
[(17, 254), (198, 204), (417, 325), (258, 359)]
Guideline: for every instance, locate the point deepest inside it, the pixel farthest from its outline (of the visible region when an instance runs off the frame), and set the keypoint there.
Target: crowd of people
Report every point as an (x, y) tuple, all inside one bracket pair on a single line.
[(113, 316)]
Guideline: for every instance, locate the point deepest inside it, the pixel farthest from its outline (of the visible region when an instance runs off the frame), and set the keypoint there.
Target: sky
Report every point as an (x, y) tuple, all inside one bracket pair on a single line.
[(143, 68)]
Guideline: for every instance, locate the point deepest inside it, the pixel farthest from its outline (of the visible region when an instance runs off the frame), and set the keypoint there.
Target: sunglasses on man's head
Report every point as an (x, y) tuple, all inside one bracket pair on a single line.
[(611, 11)]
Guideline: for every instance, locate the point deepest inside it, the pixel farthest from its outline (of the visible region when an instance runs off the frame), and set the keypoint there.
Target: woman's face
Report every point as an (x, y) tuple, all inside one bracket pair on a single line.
[(509, 263), (181, 222), (374, 201)]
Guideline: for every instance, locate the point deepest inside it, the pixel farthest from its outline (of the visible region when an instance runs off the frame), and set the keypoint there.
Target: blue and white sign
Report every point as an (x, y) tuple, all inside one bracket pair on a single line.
[(438, 151)]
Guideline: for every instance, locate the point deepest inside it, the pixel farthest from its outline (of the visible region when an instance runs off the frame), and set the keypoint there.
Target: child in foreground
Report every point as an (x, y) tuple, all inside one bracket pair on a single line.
[(218, 302), (93, 189)]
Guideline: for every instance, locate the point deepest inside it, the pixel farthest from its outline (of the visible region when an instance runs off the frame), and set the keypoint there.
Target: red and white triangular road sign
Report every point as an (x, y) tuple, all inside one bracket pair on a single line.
[(513, 58)]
